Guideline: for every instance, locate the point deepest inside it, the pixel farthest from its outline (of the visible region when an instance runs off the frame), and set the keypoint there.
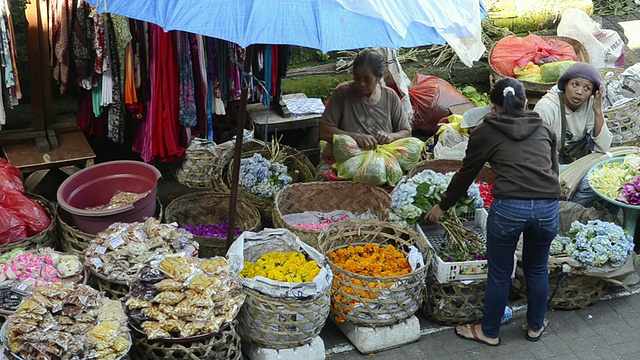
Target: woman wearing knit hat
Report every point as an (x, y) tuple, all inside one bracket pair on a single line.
[(574, 111)]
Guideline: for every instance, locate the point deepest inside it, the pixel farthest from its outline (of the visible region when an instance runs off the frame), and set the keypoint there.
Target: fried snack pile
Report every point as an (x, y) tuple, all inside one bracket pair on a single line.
[(178, 297), (68, 322), (120, 199), (121, 250)]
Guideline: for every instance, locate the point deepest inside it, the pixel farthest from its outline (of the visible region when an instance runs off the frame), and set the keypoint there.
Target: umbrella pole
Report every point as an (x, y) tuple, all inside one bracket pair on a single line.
[(235, 175)]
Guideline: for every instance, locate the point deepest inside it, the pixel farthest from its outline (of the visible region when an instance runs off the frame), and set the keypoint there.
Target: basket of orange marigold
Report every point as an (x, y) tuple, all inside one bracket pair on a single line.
[(379, 271)]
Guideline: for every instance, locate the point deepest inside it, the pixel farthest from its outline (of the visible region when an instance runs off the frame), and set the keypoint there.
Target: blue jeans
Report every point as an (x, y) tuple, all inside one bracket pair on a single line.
[(537, 220)]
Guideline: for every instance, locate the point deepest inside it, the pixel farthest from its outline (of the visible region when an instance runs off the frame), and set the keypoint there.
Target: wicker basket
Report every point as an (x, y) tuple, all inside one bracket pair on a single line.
[(46, 238), (581, 53), (623, 121), (294, 161), (74, 241), (401, 296), (455, 302), (325, 197), (566, 291), (276, 323), (444, 166), (112, 288), (224, 345), (211, 208)]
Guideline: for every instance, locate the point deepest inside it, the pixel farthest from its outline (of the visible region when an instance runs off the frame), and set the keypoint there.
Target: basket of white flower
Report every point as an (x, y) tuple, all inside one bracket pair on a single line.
[(265, 171)]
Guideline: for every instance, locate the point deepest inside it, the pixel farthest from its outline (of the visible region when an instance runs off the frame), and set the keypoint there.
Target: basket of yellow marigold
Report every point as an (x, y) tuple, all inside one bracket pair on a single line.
[(379, 270), (287, 284)]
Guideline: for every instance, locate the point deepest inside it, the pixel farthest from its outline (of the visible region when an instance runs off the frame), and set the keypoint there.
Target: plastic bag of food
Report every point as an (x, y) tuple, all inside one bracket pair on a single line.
[(345, 147), (372, 170), (392, 167), (551, 72), (348, 168), (12, 228), (26, 209), (10, 177), (529, 72), (407, 151), (431, 98)]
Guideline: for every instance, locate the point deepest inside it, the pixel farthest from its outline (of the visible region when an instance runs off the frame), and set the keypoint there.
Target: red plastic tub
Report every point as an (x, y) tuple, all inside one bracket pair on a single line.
[(96, 185)]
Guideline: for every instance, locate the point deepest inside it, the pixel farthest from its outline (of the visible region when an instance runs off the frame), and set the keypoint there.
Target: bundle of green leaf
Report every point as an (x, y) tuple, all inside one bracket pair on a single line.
[(383, 165), (472, 94)]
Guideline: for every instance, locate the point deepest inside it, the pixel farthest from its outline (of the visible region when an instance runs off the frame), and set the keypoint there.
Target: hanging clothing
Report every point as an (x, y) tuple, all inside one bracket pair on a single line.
[(87, 120), (199, 79), (82, 44), (60, 20), (12, 41), (144, 136), (166, 127), (101, 56), (130, 95), (187, 97), (115, 118)]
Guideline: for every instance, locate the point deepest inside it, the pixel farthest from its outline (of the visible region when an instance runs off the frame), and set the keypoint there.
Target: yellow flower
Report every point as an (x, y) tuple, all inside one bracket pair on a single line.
[(282, 266)]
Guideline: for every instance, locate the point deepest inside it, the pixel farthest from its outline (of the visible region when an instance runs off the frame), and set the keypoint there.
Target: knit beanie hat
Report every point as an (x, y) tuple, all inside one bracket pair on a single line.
[(582, 70)]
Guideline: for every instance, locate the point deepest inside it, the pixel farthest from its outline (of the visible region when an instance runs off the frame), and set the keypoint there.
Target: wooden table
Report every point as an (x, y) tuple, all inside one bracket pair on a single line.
[(73, 151), (300, 132)]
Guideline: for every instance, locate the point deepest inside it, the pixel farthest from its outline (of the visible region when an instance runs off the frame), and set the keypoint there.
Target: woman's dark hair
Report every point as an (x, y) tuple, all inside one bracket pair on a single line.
[(512, 102), (372, 60)]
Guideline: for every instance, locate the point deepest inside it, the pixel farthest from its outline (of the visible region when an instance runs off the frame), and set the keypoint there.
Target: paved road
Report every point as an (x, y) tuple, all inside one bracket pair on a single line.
[(610, 330)]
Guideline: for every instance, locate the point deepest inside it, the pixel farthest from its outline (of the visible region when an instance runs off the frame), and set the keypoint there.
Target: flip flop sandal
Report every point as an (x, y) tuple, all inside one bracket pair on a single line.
[(475, 336), (536, 338)]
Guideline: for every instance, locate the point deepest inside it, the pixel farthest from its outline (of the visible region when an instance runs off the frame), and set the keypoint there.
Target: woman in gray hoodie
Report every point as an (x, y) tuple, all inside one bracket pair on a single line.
[(521, 149)]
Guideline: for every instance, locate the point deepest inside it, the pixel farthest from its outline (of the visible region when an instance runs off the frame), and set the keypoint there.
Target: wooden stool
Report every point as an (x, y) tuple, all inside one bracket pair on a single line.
[(73, 150)]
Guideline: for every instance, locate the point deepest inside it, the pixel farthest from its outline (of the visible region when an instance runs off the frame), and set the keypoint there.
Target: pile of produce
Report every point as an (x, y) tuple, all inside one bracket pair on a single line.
[(68, 322), (218, 230), (290, 267), (177, 296), (121, 250), (383, 165), (595, 243), (532, 58), (263, 177), (366, 260), (618, 181), (412, 199), (23, 271)]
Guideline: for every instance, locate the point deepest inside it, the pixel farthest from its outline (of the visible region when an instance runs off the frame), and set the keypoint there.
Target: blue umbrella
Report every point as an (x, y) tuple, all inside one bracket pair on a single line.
[(320, 24)]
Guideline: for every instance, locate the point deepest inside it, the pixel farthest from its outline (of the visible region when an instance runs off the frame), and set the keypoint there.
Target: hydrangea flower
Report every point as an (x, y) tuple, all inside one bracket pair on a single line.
[(412, 198), (595, 243), (261, 177)]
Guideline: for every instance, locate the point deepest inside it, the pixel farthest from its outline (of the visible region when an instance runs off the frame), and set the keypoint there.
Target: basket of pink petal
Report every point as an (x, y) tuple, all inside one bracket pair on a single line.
[(306, 209)]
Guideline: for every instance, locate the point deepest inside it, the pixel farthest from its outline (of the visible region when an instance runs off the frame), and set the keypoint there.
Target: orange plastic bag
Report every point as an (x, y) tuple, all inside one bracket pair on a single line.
[(512, 51), (431, 97)]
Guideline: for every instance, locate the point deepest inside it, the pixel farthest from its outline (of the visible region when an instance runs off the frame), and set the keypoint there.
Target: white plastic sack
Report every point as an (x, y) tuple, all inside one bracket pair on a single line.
[(250, 246), (453, 145), (605, 47)]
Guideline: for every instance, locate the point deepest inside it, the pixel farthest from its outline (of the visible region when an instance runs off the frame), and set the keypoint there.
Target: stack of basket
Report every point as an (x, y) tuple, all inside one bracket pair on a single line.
[(381, 301), (325, 197)]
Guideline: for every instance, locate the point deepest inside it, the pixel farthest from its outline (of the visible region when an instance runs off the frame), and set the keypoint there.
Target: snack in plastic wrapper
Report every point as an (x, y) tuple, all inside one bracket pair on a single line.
[(169, 285), (154, 330), (137, 303), (169, 297)]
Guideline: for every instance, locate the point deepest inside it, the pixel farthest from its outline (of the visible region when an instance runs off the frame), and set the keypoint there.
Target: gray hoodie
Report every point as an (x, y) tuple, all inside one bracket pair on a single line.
[(522, 152)]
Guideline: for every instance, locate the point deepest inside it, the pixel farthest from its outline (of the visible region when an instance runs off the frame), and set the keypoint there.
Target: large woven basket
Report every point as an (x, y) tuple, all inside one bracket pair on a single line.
[(46, 238), (566, 291), (211, 208), (455, 302), (374, 307), (294, 161), (276, 323), (444, 166), (112, 288), (326, 197), (581, 53), (224, 345), (623, 121), (73, 240)]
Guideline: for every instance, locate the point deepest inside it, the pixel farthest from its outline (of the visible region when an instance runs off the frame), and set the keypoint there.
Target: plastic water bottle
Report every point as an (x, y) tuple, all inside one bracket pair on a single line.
[(508, 314)]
